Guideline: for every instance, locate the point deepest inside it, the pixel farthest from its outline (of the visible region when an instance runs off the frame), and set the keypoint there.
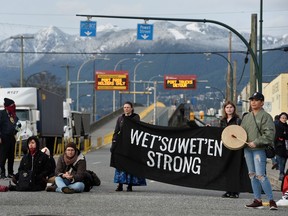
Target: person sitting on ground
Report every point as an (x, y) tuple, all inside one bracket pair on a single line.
[(51, 176), (34, 162), (70, 171), (284, 189)]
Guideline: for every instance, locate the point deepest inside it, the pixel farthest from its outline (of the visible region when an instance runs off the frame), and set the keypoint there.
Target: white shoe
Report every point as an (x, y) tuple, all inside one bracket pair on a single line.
[(282, 202)]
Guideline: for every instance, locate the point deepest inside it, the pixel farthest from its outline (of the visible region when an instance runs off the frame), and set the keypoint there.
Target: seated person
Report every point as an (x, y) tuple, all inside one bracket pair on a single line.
[(37, 164), (284, 189), (51, 176), (70, 171)]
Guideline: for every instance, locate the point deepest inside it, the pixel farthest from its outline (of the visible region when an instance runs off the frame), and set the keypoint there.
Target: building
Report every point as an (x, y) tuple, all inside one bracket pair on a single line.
[(275, 93)]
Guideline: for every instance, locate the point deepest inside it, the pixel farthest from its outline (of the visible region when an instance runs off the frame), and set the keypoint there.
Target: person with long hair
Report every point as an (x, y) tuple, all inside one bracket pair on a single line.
[(281, 140), (35, 162), (121, 177), (230, 117)]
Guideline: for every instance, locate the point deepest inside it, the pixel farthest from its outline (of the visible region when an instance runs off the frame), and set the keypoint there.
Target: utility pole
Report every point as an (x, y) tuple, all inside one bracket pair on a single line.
[(253, 45), (229, 90), (67, 79), (22, 56), (234, 82)]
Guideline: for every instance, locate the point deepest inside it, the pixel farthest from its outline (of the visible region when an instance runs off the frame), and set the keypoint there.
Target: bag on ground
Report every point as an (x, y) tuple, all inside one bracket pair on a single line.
[(25, 181), (91, 179)]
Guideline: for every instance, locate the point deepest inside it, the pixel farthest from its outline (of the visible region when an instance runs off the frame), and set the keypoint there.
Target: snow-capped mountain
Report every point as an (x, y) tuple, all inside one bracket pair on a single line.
[(173, 50)]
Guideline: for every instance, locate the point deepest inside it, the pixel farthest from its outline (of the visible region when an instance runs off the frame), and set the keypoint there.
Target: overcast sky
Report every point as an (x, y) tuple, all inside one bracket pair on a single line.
[(29, 16)]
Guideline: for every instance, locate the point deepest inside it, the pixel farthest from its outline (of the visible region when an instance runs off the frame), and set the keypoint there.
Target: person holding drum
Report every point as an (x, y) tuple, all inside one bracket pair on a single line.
[(230, 117), (260, 130)]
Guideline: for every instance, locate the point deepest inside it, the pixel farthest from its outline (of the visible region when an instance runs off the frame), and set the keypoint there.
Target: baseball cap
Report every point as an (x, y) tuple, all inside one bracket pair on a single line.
[(257, 96)]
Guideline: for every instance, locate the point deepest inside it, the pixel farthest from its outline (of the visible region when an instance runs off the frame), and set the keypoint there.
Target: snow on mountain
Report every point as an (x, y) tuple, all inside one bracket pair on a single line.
[(188, 37), (178, 35), (194, 27)]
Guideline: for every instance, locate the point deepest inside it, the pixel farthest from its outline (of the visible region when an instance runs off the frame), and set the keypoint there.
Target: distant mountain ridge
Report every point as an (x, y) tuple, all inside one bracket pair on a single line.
[(51, 49)]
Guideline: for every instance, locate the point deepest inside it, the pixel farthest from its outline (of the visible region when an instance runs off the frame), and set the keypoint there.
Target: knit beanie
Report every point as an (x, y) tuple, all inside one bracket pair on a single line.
[(8, 102), (72, 145)]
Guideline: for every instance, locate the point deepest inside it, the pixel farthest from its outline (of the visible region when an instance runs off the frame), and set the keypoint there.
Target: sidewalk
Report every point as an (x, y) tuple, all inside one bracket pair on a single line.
[(273, 176)]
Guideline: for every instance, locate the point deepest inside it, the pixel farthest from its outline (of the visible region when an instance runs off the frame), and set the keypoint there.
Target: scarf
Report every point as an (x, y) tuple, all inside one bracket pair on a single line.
[(32, 151), (11, 110), (68, 161)]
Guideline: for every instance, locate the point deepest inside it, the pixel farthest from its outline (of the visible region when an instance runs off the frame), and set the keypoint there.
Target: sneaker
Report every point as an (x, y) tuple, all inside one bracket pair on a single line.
[(275, 166), (256, 204), (68, 190), (3, 176), (226, 195), (282, 202), (10, 175), (272, 205), (285, 196), (234, 195), (3, 188), (51, 188)]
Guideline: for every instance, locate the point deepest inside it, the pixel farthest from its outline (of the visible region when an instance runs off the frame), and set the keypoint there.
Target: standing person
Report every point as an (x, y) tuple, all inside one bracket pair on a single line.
[(230, 117), (36, 162), (274, 159), (121, 177), (281, 138), (260, 130), (8, 125), (70, 171)]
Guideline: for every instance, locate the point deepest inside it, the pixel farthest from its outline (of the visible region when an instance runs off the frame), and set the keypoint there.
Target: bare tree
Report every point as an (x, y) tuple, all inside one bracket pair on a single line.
[(45, 80)]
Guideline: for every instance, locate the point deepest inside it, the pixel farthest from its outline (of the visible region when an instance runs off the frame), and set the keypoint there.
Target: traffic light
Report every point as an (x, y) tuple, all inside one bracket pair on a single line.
[(192, 115), (201, 115)]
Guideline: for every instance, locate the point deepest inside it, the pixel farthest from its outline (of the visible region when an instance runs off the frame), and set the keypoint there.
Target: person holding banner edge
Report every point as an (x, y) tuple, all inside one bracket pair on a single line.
[(230, 117), (254, 151), (122, 177)]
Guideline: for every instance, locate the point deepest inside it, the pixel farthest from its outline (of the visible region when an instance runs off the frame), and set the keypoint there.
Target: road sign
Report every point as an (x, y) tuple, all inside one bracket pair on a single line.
[(111, 80), (87, 28), (144, 32), (187, 82)]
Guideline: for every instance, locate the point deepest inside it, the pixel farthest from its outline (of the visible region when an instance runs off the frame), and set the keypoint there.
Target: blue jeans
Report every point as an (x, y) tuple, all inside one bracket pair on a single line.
[(256, 164), (281, 163), (78, 187)]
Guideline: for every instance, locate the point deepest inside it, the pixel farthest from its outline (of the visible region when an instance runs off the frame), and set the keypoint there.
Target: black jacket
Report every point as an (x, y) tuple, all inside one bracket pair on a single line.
[(233, 121), (41, 168), (117, 130), (280, 137)]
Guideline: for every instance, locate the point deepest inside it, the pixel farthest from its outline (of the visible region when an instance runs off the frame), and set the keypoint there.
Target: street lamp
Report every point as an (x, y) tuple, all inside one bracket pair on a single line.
[(78, 76), (230, 85), (148, 87), (223, 95), (134, 79), (219, 90), (114, 92), (84, 95)]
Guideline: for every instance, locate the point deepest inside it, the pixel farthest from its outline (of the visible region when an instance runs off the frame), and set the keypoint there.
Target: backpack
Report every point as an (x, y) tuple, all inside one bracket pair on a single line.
[(25, 181), (90, 180)]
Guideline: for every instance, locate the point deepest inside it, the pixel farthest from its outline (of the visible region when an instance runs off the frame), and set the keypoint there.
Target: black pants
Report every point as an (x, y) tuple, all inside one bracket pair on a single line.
[(7, 150)]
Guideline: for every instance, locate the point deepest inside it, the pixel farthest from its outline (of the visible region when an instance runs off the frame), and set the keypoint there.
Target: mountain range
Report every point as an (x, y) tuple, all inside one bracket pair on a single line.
[(173, 50)]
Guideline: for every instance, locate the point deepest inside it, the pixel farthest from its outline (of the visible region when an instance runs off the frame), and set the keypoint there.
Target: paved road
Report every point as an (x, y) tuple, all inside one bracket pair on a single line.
[(155, 199)]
